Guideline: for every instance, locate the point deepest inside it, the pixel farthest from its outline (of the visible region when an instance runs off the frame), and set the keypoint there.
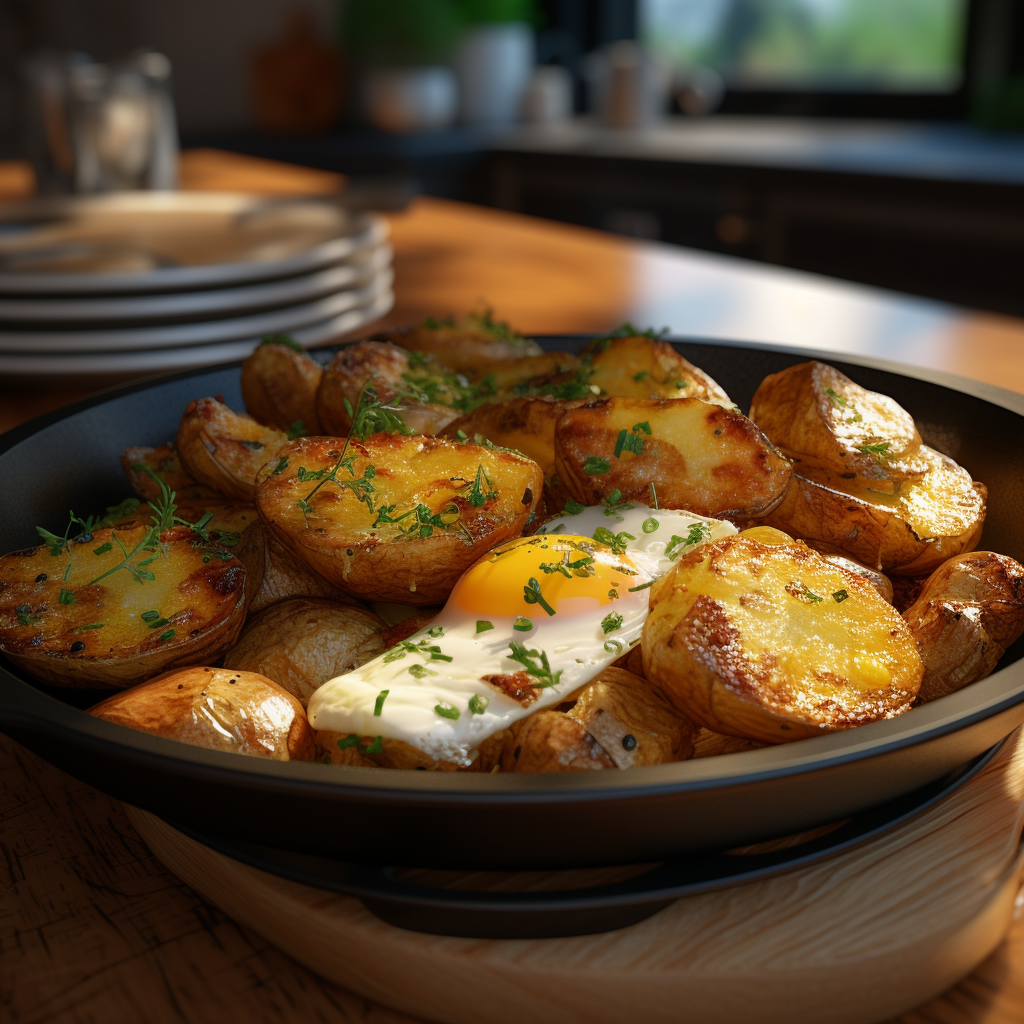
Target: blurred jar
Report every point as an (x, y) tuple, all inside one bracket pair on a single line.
[(627, 87), (547, 98), (411, 99), (494, 62)]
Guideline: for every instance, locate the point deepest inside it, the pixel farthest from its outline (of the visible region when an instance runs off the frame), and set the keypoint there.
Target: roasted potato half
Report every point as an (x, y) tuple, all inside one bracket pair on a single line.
[(640, 367), (403, 518), (279, 385), (967, 614), (528, 375), (703, 458), (427, 394), (302, 642), (286, 576), (106, 611), (223, 449), (910, 533), (163, 462), (772, 643), (471, 343), (217, 708)]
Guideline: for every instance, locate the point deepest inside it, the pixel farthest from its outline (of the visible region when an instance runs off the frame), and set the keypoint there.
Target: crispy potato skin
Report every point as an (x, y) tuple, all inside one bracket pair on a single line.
[(386, 367), (203, 603), (164, 462), (223, 450), (703, 458), (238, 712), (880, 535), (550, 741), (749, 639), (464, 346), (817, 412), (303, 642), (286, 576), (279, 387), (341, 543), (639, 367), (968, 613), (525, 424)]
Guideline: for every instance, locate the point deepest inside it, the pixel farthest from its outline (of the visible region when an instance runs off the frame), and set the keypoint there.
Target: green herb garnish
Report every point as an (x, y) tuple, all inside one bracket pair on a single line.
[(595, 465), (447, 711), (611, 622), (649, 525), (66, 596), (532, 595), (297, 430), (618, 542), (482, 625), (627, 442), (378, 705), (840, 596), (522, 624), (281, 339), (478, 704), (542, 671)]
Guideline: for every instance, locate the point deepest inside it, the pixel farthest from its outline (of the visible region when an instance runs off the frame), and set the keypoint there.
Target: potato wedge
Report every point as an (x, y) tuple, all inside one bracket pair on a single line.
[(542, 373), (551, 741), (405, 519), (967, 614), (640, 367), (279, 385), (428, 394), (216, 708), (164, 462), (302, 642), (910, 533), (223, 450), (525, 424), (471, 343), (772, 643), (286, 576), (703, 458), (818, 414), (76, 619)]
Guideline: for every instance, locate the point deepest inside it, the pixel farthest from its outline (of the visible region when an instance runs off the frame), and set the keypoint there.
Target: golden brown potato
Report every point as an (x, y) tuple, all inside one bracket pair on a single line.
[(279, 388), (286, 576), (427, 394), (710, 744), (407, 517), (473, 342), (702, 458), (640, 367), (631, 721), (528, 375), (551, 741), (772, 643), (223, 449), (910, 534), (88, 615), (238, 712), (164, 462), (969, 611), (525, 424), (302, 642), (818, 414)]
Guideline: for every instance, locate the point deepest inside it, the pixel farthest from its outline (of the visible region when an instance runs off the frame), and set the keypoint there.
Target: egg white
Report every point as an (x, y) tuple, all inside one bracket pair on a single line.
[(577, 646)]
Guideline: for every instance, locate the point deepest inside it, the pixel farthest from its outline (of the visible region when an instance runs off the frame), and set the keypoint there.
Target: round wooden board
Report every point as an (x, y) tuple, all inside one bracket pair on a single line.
[(858, 938)]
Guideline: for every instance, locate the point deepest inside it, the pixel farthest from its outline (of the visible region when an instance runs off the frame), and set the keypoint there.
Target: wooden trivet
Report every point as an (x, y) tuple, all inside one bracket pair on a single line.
[(858, 938)]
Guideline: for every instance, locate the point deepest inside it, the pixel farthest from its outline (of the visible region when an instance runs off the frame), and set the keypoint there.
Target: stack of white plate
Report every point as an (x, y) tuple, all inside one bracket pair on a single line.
[(109, 287)]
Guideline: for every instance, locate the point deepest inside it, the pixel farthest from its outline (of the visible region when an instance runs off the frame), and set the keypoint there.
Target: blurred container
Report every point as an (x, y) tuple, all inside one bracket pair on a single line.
[(98, 128), (547, 98), (494, 63), (411, 99), (627, 87)]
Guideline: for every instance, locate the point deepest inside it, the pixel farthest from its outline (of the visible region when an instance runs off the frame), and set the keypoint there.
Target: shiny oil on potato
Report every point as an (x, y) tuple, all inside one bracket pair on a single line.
[(405, 517), (772, 643), (700, 457)]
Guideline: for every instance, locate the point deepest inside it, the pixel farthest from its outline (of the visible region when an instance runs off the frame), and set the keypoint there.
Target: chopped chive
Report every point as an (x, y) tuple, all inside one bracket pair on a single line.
[(66, 596), (573, 508), (482, 625), (351, 740), (611, 622), (643, 586), (103, 549), (595, 465), (640, 374), (447, 711), (840, 596), (650, 525), (376, 747), (419, 671), (150, 616), (644, 427), (522, 624), (379, 704), (532, 595), (157, 623), (436, 631), (478, 704), (166, 636), (91, 625)]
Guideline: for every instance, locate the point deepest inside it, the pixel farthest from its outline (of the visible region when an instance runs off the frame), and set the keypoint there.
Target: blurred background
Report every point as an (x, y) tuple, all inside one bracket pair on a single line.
[(880, 141)]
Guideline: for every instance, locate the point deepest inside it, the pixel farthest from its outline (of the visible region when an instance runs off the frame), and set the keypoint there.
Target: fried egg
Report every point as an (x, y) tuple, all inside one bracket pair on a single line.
[(525, 627)]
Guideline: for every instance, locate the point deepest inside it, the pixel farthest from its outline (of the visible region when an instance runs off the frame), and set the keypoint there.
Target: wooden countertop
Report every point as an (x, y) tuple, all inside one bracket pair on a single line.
[(92, 927)]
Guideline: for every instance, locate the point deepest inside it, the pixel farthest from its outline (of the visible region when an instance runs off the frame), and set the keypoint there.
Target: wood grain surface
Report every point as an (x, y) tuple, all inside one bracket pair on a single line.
[(92, 926)]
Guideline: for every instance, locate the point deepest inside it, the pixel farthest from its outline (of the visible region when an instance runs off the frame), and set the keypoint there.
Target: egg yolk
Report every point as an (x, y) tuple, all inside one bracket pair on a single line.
[(571, 575)]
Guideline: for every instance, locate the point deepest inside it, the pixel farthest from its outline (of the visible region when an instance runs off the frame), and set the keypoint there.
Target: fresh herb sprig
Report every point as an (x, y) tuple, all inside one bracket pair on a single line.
[(541, 671)]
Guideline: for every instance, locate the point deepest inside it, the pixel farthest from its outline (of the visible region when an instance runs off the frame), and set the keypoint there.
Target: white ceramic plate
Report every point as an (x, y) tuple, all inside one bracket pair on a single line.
[(289, 320), (154, 242), (140, 310), (111, 367)]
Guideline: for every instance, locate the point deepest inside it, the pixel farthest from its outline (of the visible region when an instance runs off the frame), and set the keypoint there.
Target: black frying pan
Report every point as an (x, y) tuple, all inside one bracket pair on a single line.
[(70, 459)]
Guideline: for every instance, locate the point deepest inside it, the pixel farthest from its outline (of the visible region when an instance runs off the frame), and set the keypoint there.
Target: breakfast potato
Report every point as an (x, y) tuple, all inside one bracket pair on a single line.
[(142, 464), (426, 393), (377, 752), (279, 385), (404, 629), (814, 412), (526, 375), (404, 518), (475, 341), (216, 708), (223, 450), (968, 613), (111, 608), (712, 744), (525, 424), (641, 367), (550, 741), (772, 643), (286, 576), (703, 458), (303, 642), (910, 533)]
